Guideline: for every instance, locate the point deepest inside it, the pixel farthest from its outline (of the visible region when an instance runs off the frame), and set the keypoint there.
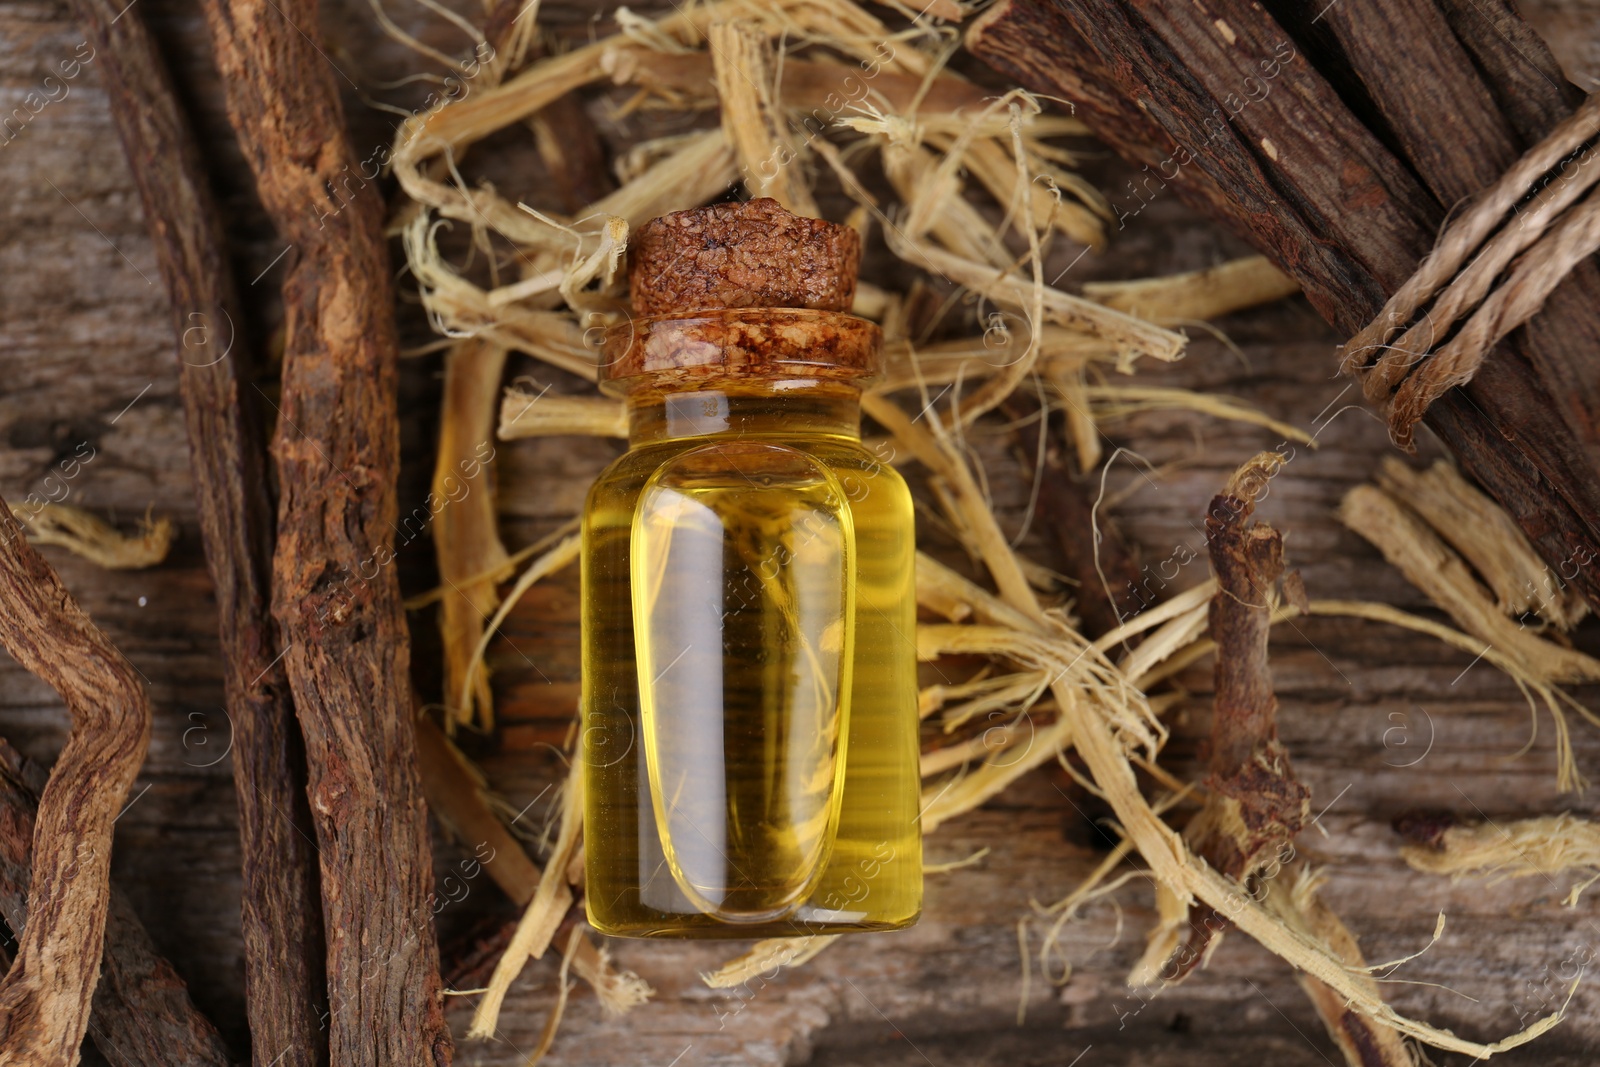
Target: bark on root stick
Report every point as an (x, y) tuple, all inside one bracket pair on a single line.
[(335, 591), (1228, 108), (44, 998), (281, 911)]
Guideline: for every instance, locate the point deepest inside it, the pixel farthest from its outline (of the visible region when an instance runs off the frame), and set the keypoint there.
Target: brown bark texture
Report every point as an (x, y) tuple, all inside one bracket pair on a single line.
[(335, 591), (44, 998), (281, 912), (1237, 113), (1257, 805), (142, 1015)]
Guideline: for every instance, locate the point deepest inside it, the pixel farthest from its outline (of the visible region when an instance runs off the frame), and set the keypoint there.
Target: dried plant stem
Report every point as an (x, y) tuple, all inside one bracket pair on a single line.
[(1106, 756), (281, 917), (1197, 295), (466, 538), (552, 415), (1343, 211), (1365, 1042), (44, 998), (335, 592), (1255, 804), (541, 919), (1486, 537), (456, 796), (1093, 552), (742, 58), (765, 955), (142, 1015), (1432, 566)]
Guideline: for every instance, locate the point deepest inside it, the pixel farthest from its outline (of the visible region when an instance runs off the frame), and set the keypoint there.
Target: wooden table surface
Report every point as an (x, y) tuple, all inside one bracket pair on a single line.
[(1379, 721)]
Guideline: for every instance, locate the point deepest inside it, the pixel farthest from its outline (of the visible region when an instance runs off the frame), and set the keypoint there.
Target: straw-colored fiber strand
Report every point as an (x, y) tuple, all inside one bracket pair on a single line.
[(768, 955), (460, 309), (956, 865), (968, 791), (1197, 295), (1008, 575), (742, 58), (544, 913), (1547, 846), (934, 698), (988, 745), (1434, 567), (1005, 691), (87, 535), (1488, 538), (1171, 913), (992, 165), (1071, 382), (946, 215), (1176, 634), (909, 366), (1169, 859), (1134, 337), (993, 392), (701, 169), (1292, 896), (808, 88), (1554, 699), (1117, 401), (552, 1023), (517, 558), (1185, 602), (466, 537), (617, 991), (546, 414), (558, 557), (1161, 940)]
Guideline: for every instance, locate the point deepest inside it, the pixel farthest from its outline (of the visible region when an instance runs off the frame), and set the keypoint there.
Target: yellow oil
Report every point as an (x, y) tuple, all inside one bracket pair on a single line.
[(749, 689)]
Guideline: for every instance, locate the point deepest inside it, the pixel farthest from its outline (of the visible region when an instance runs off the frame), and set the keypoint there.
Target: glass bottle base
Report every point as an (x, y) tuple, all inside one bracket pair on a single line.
[(705, 928)]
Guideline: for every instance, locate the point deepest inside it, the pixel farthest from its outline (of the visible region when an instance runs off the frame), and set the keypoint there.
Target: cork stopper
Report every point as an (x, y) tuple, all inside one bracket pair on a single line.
[(740, 293), (742, 255)]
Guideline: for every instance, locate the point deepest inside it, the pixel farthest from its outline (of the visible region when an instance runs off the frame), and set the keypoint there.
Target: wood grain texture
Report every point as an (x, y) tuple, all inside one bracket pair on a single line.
[(45, 996), (335, 593), (142, 1014), (281, 913), (82, 334)]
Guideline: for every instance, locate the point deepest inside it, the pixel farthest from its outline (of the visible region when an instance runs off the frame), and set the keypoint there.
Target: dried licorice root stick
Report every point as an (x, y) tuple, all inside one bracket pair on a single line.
[(1218, 101), (335, 591), (142, 1015), (1256, 805), (44, 999), (281, 911)]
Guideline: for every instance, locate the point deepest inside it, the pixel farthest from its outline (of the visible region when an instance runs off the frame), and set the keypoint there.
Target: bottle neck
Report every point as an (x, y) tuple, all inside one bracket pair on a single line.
[(772, 408)]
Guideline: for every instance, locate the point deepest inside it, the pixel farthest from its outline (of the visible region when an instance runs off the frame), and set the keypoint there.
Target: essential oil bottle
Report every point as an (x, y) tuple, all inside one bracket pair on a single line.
[(749, 661)]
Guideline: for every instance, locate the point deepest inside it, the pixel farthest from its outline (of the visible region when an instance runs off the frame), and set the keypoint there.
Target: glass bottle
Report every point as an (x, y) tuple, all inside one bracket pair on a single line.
[(749, 679)]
